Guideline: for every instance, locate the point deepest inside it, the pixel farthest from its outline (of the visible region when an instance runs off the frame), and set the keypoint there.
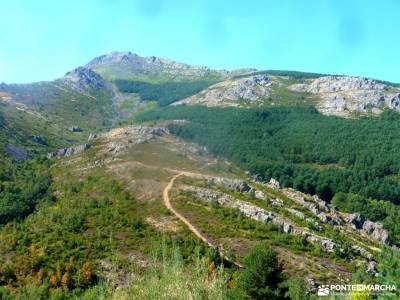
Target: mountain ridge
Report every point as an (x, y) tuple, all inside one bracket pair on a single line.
[(152, 81)]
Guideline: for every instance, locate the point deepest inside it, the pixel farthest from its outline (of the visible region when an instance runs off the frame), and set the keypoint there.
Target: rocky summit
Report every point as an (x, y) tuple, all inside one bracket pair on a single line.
[(128, 64), (83, 80)]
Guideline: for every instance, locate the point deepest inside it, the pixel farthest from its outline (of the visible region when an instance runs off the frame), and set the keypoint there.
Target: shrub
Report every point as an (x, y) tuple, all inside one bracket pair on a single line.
[(262, 276)]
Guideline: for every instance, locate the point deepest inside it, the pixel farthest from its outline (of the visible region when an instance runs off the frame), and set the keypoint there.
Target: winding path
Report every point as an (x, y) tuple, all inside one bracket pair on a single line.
[(191, 227)]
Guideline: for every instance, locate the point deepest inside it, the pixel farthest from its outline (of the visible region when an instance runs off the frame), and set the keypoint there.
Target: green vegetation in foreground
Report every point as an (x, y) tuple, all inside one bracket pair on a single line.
[(287, 144), (23, 186), (78, 246), (163, 93), (174, 279)]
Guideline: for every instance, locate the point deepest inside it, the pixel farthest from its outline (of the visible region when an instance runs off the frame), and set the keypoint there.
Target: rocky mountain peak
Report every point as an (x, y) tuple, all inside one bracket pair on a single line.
[(125, 65), (113, 57), (83, 79)]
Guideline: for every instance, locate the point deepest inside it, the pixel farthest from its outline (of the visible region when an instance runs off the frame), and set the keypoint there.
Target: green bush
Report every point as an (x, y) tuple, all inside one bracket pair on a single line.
[(262, 277), (23, 185)]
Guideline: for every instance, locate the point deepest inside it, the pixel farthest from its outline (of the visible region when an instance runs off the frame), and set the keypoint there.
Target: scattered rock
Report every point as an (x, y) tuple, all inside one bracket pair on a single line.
[(75, 129), (373, 229), (235, 184), (315, 205), (328, 244), (355, 219), (296, 213), (262, 215), (119, 139), (331, 84), (274, 183), (68, 151), (116, 147), (275, 201), (362, 252), (133, 134), (229, 92), (376, 231), (259, 194)]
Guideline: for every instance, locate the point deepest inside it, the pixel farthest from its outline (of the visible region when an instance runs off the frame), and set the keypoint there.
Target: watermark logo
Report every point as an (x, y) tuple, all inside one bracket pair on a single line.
[(323, 290), (354, 289)]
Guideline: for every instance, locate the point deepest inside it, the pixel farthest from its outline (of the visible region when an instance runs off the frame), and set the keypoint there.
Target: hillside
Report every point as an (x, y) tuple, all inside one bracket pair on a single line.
[(113, 88), (331, 95), (127, 171), (139, 177)]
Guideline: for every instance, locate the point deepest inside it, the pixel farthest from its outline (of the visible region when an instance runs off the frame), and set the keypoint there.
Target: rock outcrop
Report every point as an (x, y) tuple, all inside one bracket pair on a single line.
[(333, 84), (328, 214), (83, 80), (344, 94), (376, 231), (120, 138), (230, 92), (68, 151), (136, 133), (235, 184), (315, 205), (273, 183), (262, 215)]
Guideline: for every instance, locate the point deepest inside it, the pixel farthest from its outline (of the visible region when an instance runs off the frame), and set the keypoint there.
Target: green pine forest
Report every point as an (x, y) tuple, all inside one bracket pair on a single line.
[(353, 162)]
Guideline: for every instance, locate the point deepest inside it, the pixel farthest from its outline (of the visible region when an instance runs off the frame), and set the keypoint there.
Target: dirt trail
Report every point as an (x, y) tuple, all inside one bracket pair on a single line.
[(191, 227)]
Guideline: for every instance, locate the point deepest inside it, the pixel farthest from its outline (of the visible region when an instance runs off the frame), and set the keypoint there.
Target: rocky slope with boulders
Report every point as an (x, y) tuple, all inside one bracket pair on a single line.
[(230, 92), (341, 95), (119, 139), (68, 151)]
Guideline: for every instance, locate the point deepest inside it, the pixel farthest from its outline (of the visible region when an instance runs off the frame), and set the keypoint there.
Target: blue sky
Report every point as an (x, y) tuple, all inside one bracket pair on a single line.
[(43, 39)]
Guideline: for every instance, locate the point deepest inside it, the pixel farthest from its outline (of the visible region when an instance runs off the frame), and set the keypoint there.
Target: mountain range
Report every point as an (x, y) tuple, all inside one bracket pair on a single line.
[(132, 164), (110, 88)]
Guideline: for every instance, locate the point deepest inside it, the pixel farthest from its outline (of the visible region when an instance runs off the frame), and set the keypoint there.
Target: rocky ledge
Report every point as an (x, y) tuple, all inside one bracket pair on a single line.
[(262, 215), (68, 151), (327, 213)]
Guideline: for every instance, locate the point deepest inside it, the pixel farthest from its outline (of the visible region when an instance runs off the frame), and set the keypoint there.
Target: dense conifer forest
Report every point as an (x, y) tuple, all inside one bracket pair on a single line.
[(356, 159)]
